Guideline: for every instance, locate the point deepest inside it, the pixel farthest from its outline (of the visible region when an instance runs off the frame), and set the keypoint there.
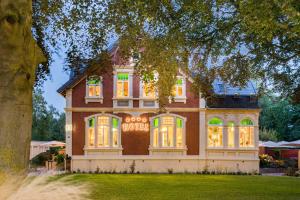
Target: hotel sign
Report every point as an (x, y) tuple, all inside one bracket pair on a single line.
[(135, 124)]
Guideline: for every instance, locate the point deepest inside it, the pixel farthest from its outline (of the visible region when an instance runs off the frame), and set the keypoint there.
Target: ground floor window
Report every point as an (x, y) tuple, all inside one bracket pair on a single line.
[(215, 132), (246, 133), (230, 134), (168, 131), (103, 131)]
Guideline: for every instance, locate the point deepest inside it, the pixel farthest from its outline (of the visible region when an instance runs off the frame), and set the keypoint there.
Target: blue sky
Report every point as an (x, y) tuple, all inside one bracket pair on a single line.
[(57, 78)]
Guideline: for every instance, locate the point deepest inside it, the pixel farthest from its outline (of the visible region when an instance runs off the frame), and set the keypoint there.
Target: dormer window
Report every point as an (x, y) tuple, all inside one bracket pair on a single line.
[(94, 89), (179, 90)]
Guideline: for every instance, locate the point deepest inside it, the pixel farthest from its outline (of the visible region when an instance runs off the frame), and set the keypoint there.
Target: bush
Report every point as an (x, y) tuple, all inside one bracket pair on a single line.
[(265, 160), (59, 159), (290, 171)]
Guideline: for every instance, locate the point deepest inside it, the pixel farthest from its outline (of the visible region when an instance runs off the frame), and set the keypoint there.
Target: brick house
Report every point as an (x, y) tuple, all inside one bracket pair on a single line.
[(113, 121)]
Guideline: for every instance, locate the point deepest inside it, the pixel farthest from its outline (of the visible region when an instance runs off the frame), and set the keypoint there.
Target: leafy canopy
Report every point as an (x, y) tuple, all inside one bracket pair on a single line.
[(233, 40)]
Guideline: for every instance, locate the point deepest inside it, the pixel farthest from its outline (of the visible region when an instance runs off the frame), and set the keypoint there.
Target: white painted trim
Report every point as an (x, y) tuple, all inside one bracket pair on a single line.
[(69, 123), (160, 148), (130, 71), (94, 98), (95, 147)]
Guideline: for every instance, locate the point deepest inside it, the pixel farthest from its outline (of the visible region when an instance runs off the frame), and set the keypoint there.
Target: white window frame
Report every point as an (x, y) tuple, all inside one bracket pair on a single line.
[(110, 138), (223, 130), (254, 133), (182, 98), (94, 98), (174, 116), (145, 98), (123, 69)]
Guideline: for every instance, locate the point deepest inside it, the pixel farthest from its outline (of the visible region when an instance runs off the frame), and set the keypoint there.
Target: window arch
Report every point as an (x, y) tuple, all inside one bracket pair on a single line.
[(246, 133), (168, 131), (103, 131), (230, 134), (215, 132)]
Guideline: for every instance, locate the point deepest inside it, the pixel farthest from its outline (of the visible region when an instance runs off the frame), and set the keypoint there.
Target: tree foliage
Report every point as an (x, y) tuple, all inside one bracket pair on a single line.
[(47, 122), (280, 116), (233, 40)]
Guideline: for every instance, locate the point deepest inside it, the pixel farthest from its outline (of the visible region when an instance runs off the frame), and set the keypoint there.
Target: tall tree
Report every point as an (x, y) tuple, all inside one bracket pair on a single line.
[(280, 116), (19, 56), (47, 122)]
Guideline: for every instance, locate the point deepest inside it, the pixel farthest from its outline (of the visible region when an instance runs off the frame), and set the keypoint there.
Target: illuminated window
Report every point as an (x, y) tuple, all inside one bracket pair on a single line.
[(230, 132), (115, 131), (103, 131), (122, 85), (91, 132), (170, 130), (104, 128), (155, 132), (179, 132), (148, 90), (215, 132), (246, 133), (94, 86), (167, 131), (178, 88)]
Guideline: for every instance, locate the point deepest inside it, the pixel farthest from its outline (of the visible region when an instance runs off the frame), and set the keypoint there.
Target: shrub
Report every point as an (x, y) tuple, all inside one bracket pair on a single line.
[(170, 171), (59, 158), (132, 167), (290, 171)]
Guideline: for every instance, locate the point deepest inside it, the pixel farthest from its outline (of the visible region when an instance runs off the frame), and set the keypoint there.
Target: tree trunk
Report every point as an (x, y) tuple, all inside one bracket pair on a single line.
[(19, 56)]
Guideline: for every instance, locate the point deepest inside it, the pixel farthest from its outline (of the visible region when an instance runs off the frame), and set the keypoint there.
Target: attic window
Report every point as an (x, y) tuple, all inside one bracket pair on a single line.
[(179, 90), (93, 89)]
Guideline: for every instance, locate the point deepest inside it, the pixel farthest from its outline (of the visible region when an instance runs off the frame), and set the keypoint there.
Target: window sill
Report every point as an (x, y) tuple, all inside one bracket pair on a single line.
[(168, 151), (167, 148), (102, 148), (93, 99), (178, 100), (232, 149)]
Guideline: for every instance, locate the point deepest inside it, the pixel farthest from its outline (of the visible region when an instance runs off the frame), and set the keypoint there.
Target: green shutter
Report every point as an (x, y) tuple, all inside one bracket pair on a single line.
[(123, 76), (215, 121), (246, 122), (155, 122), (92, 122), (115, 122), (179, 123), (179, 81)]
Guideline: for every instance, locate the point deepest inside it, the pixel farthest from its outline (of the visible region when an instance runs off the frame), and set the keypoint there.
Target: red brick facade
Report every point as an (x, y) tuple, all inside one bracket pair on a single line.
[(133, 143)]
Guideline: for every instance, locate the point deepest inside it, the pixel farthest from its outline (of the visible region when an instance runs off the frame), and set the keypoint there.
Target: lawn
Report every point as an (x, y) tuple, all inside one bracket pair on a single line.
[(187, 186)]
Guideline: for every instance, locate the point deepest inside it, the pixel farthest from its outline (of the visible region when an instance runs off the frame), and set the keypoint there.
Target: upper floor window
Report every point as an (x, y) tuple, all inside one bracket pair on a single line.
[(246, 133), (94, 89), (148, 90), (94, 86), (122, 85), (178, 87), (215, 132), (168, 131), (103, 131)]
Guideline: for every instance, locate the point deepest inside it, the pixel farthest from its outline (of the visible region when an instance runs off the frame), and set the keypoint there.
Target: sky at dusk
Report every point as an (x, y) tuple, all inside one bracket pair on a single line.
[(57, 78)]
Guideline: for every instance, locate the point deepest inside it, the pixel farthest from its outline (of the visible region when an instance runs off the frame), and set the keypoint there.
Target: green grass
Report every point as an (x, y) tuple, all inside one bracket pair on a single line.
[(185, 186)]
